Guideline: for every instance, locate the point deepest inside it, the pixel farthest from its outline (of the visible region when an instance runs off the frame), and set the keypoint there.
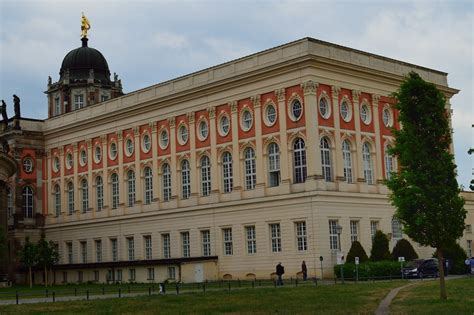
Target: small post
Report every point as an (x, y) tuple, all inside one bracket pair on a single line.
[(153, 288), (128, 289), (177, 289), (149, 291), (103, 291), (203, 287), (87, 294), (199, 286), (75, 291), (54, 296), (253, 284), (296, 282), (120, 292), (46, 292), (17, 298), (229, 286), (315, 281)]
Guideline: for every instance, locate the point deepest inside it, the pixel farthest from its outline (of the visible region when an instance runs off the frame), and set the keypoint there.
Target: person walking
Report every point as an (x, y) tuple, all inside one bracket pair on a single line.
[(280, 270), (304, 270)]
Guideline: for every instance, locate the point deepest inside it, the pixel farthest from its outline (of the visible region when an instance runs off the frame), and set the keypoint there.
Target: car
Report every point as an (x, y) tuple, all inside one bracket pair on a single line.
[(421, 268)]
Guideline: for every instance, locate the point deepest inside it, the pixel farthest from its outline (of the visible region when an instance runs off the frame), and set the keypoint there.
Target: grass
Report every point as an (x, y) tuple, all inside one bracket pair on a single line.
[(328, 299), (424, 298)]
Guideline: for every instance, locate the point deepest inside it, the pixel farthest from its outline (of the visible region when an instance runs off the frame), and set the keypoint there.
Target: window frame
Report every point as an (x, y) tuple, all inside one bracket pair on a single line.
[(205, 164), (326, 162), (185, 179), (299, 161), (115, 189), (347, 161), (250, 169), (227, 172), (251, 239), (166, 182)]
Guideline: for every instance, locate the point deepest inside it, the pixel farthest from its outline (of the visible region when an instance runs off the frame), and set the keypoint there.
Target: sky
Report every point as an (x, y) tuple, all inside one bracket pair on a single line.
[(147, 42)]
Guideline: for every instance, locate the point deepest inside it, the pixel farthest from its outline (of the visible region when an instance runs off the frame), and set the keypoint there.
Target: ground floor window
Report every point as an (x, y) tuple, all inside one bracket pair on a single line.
[(131, 274), (96, 275), (119, 275), (171, 273), (151, 274), (65, 277), (80, 276)]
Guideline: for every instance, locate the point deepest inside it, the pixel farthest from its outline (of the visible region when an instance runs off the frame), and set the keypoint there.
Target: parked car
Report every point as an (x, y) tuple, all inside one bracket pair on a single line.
[(421, 268)]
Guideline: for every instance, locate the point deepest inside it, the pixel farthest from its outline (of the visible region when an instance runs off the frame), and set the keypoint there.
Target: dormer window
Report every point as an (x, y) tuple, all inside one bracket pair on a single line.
[(103, 98), (57, 106), (78, 101)]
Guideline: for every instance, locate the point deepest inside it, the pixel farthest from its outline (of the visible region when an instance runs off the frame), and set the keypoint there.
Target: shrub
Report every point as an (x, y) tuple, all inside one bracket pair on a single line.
[(456, 257), (357, 251), (377, 269), (380, 249), (403, 248)]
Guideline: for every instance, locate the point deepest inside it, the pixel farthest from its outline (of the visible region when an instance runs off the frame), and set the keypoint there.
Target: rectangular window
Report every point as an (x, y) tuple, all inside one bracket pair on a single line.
[(228, 248), (57, 106), (333, 236), (84, 252), (104, 98), (301, 238), (131, 274), (114, 249), (374, 226), (115, 193), (151, 274), (206, 242), (110, 275), (275, 237), (80, 276), (354, 225), (148, 247), (119, 275), (171, 273), (98, 250), (64, 276), (205, 176), (131, 248), (78, 101), (251, 239), (469, 248), (69, 252), (166, 245), (85, 197), (185, 244), (468, 228), (96, 275)]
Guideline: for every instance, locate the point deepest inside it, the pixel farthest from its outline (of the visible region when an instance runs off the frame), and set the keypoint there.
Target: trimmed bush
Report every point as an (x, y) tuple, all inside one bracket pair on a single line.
[(403, 248), (378, 269), (357, 251), (456, 256), (380, 249)]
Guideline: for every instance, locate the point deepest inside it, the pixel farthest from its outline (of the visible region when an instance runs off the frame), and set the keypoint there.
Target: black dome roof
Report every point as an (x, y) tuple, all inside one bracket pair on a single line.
[(79, 62)]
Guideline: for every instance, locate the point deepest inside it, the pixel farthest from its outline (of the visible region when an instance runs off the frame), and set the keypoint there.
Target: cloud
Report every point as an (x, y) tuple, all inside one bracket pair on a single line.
[(170, 40)]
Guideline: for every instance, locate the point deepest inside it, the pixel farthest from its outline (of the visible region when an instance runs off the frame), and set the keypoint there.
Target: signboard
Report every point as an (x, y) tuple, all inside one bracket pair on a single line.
[(340, 258), (357, 260), (401, 259), (321, 258)]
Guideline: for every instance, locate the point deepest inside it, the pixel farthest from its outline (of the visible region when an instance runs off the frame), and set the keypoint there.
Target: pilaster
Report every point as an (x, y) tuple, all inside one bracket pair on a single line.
[(259, 154), (215, 180), (90, 183), (358, 163), (193, 163), (174, 173), (75, 158), (338, 162), (284, 161), (120, 168), (105, 173), (378, 141), (235, 147), (138, 171), (312, 132), (154, 148)]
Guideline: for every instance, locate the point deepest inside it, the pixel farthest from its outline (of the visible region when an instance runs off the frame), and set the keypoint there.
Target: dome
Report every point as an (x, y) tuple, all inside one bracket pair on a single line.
[(81, 60)]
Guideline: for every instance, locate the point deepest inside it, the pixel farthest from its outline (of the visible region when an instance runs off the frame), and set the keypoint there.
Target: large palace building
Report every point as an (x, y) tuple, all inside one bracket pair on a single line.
[(279, 156)]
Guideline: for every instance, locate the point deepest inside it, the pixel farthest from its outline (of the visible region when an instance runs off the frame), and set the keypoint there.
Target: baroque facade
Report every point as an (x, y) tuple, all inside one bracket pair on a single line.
[(219, 174)]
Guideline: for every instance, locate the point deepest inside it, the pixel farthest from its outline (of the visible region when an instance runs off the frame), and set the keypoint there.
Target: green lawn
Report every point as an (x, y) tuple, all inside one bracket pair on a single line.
[(330, 299), (424, 298)]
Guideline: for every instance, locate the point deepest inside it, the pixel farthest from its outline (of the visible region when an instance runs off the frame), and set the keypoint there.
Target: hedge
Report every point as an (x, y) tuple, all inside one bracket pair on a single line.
[(369, 270)]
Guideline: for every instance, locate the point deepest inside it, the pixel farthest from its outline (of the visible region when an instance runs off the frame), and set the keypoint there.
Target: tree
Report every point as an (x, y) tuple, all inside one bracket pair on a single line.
[(47, 256), (403, 248), (28, 256), (356, 251), (380, 249), (425, 192)]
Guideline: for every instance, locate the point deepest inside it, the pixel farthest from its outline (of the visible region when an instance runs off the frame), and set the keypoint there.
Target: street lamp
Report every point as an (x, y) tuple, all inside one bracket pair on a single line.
[(339, 231)]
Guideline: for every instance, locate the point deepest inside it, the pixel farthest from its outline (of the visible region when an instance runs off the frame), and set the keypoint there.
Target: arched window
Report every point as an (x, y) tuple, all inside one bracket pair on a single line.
[(299, 160), (70, 198), (396, 229), (185, 179), (389, 163), (368, 172), (326, 159), (85, 195), (131, 187), (347, 158), (250, 169), (57, 200), (205, 176), (227, 172), (28, 202), (115, 190), (273, 165), (9, 202), (166, 182), (148, 185), (99, 188)]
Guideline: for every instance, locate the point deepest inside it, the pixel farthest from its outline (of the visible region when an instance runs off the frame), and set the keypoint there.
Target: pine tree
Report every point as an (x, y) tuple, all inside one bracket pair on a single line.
[(380, 249), (425, 192), (356, 251), (404, 249)]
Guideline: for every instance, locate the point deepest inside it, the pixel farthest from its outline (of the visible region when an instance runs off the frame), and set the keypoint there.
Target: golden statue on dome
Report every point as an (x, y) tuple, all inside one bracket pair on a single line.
[(85, 26)]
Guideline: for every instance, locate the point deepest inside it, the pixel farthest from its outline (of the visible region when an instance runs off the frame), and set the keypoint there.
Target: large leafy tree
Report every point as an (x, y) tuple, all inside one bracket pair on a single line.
[(425, 191), (29, 256)]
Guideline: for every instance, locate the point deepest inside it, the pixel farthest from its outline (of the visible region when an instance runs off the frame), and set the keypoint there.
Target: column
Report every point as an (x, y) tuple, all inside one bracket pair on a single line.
[(90, 180), (215, 179), (378, 141), (235, 146), (40, 194), (259, 153), (285, 162), (358, 163), (174, 169), (75, 159), (154, 148), (312, 132), (49, 186), (138, 171), (338, 163), (120, 168), (62, 184), (105, 173), (192, 163)]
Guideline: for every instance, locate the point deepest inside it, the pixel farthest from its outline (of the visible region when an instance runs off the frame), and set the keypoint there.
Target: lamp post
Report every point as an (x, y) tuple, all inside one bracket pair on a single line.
[(339, 231)]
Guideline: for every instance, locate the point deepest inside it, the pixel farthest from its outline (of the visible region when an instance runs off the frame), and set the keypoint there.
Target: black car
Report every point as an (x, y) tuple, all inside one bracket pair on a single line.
[(421, 268)]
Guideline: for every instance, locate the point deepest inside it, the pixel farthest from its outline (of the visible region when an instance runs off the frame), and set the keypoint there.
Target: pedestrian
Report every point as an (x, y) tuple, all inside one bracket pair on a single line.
[(280, 270), (472, 265), (304, 270)]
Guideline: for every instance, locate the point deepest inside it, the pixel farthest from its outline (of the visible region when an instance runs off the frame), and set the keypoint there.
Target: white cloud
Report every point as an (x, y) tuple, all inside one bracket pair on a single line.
[(170, 40)]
